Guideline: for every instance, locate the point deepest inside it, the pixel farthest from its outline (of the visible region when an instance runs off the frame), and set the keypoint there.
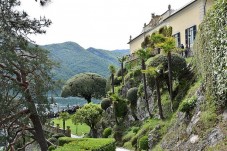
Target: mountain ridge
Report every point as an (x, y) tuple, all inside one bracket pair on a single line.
[(75, 59)]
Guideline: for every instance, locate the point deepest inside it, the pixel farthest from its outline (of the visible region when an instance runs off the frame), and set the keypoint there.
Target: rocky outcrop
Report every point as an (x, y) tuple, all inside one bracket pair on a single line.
[(142, 112), (183, 136), (154, 136)]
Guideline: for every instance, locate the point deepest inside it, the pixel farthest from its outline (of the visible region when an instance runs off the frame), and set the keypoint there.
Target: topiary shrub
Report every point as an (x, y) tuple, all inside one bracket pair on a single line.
[(143, 143), (120, 106), (188, 105), (107, 132), (132, 95), (106, 102)]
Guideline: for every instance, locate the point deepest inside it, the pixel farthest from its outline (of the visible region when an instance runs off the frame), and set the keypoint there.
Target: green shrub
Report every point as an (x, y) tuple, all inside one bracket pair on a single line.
[(132, 95), (143, 143), (88, 144), (107, 132), (135, 129), (58, 135), (117, 80), (106, 102), (50, 148), (127, 136), (53, 140), (188, 105)]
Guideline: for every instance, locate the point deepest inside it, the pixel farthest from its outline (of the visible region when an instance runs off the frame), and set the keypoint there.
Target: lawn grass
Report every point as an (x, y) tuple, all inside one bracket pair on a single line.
[(78, 129)]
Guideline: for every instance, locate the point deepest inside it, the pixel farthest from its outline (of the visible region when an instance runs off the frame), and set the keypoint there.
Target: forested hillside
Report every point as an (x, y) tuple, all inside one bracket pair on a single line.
[(75, 59)]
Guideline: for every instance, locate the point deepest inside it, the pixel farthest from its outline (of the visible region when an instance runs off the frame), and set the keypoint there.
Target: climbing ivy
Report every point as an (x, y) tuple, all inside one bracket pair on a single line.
[(211, 51)]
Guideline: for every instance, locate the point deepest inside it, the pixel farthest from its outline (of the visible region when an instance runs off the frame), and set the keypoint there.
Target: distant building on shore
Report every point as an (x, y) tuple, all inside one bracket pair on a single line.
[(184, 21)]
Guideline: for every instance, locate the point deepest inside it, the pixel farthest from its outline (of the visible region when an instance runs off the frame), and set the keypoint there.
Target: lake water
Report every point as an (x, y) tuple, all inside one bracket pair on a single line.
[(65, 103)]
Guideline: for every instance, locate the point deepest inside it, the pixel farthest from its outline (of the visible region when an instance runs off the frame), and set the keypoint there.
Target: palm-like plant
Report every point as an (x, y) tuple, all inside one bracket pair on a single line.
[(64, 116), (143, 55), (122, 60), (155, 72), (112, 70), (168, 46)]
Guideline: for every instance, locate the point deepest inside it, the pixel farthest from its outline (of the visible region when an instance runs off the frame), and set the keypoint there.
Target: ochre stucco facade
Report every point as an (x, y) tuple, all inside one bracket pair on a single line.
[(185, 23)]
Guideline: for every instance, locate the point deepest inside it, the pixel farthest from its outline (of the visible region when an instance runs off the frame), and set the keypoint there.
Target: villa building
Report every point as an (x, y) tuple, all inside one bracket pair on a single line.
[(184, 22)]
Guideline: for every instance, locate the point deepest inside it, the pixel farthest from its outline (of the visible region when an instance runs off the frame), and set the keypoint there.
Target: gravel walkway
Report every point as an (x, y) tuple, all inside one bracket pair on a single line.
[(121, 149)]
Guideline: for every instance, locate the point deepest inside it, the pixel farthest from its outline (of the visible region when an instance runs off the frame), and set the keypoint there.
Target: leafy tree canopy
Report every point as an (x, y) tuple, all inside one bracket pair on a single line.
[(86, 85), (89, 114), (25, 76)]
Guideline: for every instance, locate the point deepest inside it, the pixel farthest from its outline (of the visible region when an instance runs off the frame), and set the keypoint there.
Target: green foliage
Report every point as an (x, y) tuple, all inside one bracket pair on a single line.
[(107, 132), (112, 69), (166, 31), (143, 143), (64, 115), (132, 95), (210, 51), (106, 102), (51, 148), (179, 66), (188, 105), (120, 106), (119, 71), (128, 136), (117, 80), (135, 129), (53, 140), (89, 114), (86, 85), (134, 74), (140, 91), (87, 144)]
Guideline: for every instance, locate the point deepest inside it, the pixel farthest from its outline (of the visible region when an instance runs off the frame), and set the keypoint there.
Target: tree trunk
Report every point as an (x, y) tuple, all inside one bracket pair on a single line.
[(145, 87), (93, 132), (63, 126), (88, 98), (170, 80), (122, 72), (159, 98), (39, 135), (115, 114), (112, 77), (34, 117)]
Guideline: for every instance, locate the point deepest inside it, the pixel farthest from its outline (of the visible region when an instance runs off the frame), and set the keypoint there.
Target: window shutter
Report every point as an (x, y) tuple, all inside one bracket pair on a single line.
[(194, 32), (186, 37), (179, 40)]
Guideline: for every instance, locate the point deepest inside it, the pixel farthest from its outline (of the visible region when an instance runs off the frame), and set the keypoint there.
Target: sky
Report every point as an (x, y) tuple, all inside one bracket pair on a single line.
[(102, 24)]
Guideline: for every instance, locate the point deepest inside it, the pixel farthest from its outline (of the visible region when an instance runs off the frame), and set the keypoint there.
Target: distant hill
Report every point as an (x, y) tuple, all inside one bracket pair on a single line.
[(75, 59)]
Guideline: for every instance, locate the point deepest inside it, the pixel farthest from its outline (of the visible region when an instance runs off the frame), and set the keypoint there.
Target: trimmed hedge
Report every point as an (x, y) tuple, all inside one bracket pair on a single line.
[(88, 144)]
